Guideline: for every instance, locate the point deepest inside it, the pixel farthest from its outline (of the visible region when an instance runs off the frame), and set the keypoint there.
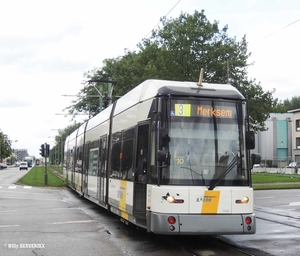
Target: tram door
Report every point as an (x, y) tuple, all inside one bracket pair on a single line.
[(73, 166), (140, 177), (85, 169), (102, 169)]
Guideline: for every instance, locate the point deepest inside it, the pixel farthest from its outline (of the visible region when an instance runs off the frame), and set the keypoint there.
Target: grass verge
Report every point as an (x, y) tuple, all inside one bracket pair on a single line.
[(260, 181), (36, 177), (265, 181)]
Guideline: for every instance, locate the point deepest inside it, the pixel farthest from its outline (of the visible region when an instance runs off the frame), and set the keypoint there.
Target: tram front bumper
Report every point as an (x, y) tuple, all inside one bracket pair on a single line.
[(208, 224)]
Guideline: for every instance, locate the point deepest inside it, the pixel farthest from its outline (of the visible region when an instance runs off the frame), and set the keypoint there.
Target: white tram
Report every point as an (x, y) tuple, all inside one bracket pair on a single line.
[(171, 157)]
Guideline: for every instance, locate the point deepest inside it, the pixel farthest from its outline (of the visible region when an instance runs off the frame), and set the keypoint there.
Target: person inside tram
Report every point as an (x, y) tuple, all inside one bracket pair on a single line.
[(228, 162), (141, 169)]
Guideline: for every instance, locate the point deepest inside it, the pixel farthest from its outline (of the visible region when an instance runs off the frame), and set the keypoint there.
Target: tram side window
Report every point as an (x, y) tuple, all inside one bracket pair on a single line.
[(102, 154), (72, 156), (85, 164), (153, 175), (141, 157), (115, 155), (92, 158), (78, 167), (68, 160), (93, 162), (126, 165)]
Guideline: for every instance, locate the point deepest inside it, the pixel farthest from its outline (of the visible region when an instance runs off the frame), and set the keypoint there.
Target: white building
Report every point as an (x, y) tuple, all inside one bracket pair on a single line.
[(296, 134), (275, 144)]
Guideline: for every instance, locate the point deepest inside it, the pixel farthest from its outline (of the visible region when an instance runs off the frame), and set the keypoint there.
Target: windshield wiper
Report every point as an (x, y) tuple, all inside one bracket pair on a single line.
[(229, 167), (192, 171), (190, 168)]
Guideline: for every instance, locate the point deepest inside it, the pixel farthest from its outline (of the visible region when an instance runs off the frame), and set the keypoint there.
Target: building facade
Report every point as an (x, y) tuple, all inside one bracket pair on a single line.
[(275, 144), (296, 134)]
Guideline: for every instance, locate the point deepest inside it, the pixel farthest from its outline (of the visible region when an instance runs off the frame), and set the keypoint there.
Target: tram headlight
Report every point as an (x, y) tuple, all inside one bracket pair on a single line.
[(171, 199), (244, 200)]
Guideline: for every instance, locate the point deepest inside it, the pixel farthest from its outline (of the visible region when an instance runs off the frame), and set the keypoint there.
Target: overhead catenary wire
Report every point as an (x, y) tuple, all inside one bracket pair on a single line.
[(276, 31), (163, 16)]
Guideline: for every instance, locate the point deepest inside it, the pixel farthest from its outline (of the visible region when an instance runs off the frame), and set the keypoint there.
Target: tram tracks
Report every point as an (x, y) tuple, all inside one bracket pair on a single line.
[(210, 245), (223, 245), (289, 218)]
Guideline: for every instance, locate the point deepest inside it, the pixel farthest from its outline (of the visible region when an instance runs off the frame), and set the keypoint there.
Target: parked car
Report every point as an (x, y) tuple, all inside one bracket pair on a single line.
[(3, 166), (23, 165), (293, 165), (264, 165), (261, 165)]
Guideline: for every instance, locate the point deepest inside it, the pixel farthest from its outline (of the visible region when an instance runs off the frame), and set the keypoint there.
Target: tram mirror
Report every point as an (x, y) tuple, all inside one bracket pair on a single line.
[(256, 158), (250, 138), (164, 137), (162, 156)]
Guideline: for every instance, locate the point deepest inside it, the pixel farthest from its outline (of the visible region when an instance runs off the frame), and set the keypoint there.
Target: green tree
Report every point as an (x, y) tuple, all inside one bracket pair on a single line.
[(57, 151), (287, 104), (178, 50), (5, 146), (93, 97)]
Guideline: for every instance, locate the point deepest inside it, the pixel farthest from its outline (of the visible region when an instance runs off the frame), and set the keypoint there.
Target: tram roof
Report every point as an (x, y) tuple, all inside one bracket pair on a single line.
[(154, 87), (151, 88)]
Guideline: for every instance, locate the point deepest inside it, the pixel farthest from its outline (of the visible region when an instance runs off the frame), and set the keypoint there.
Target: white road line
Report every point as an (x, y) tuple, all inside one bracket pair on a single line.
[(27, 198), (266, 197), (71, 222), (295, 203), (14, 187), (58, 209), (8, 226)]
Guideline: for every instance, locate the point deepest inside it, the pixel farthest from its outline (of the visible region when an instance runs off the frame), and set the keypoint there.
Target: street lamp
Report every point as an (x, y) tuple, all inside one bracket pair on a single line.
[(61, 147), (227, 57), (107, 96), (51, 154)]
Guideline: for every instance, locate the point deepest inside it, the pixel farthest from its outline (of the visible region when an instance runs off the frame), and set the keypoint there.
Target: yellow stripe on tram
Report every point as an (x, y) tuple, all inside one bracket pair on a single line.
[(210, 201), (122, 203)]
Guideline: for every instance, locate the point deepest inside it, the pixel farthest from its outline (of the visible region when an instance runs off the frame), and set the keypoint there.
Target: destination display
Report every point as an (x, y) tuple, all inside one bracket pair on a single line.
[(192, 110)]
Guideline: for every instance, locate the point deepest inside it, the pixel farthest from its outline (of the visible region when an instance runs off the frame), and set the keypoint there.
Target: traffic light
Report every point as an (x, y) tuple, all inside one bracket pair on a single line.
[(47, 150), (106, 102), (42, 150)]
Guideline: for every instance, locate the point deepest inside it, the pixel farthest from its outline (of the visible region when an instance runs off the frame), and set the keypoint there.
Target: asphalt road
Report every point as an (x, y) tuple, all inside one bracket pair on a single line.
[(44, 221), (51, 221)]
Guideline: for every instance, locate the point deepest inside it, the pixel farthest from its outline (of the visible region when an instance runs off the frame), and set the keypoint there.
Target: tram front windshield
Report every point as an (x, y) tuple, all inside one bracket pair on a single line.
[(206, 143)]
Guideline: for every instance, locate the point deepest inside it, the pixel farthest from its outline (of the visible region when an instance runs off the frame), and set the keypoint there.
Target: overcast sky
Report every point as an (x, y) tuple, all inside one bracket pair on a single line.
[(46, 46)]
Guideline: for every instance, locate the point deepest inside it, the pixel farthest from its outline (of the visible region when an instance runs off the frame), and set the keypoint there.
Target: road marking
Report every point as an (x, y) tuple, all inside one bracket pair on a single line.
[(29, 198), (295, 203), (266, 197), (8, 226), (71, 222), (58, 209), (14, 187)]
